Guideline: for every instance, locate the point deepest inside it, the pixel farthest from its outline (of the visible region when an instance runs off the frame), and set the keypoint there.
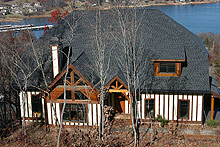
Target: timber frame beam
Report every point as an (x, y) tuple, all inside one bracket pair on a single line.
[(212, 107), (77, 88), (118, 86), (118, 80), (82, 78), (73, 85), (115, 90)]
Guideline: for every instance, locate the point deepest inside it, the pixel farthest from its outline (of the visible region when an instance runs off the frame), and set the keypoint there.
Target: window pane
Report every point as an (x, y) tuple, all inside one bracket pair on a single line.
[(149, 108), (167, 67), (163, 67), (184, 107), (171, 68), (66, 115)]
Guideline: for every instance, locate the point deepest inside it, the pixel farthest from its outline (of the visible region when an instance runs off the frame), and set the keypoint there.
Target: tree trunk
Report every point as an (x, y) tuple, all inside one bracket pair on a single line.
[(23, 119), (64, 104), (101, 125), (103, 116)]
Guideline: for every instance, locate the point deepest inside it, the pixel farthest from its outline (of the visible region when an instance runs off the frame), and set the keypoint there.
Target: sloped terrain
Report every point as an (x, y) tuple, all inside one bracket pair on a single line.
[(118, 133)]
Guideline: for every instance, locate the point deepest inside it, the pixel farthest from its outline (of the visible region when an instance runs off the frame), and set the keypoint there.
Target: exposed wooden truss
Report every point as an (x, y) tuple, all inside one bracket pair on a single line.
[(73, 84), (117, 82), (116, 85), (82, 78)]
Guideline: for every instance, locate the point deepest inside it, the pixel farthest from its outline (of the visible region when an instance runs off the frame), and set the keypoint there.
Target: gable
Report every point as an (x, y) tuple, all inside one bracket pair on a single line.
[(77, 86), (116, 85)]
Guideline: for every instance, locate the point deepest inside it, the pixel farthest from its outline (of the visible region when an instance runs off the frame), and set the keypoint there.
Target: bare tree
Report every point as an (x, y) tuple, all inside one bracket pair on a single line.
[(61, 119), (8, 99), (69, 38), (133, 64), (102, 57), (18, 65), (37, 56)]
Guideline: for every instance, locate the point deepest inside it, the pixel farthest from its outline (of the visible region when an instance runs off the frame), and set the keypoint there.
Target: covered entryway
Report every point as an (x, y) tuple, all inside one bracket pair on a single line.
[(117, 101), (117, 97)]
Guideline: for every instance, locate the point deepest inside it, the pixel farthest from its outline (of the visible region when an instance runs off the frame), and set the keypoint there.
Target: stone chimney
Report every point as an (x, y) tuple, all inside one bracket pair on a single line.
[(55, 59)]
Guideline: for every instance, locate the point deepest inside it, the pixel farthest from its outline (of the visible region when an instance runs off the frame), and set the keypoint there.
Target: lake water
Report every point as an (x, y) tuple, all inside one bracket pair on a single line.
[(197, 18)]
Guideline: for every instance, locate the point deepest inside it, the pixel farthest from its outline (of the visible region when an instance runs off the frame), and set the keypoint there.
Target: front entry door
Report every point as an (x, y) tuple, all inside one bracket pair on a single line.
[(119, 103)]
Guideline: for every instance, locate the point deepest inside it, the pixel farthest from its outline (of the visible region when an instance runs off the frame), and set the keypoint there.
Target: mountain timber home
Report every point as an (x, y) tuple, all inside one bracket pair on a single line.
[(175, 82)]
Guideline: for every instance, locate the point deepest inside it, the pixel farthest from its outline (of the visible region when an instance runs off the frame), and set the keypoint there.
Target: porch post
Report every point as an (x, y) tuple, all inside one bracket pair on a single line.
[(212, 107)]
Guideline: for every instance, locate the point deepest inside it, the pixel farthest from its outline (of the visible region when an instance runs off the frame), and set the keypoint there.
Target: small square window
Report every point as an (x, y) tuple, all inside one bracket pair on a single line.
[(183, 109), (149, 108)]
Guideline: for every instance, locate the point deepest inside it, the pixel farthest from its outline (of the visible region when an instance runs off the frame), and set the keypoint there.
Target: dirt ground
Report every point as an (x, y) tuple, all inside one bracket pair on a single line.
[(119, 133)]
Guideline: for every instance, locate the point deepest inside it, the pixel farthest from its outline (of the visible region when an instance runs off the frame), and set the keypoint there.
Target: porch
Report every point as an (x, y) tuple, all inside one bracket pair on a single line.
[(118, 98)]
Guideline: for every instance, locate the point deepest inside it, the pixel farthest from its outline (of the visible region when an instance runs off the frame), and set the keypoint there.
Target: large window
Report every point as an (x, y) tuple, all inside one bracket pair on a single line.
[(75, 112), (183, 109), (149, 108), (167, 68), (36, 106)]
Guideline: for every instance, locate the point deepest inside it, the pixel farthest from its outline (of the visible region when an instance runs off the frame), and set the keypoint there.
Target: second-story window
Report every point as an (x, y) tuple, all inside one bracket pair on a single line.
[(167, 68)]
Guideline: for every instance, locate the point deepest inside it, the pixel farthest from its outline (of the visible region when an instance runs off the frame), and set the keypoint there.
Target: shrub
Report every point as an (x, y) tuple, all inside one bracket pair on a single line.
[(163, 121), (212, 123)]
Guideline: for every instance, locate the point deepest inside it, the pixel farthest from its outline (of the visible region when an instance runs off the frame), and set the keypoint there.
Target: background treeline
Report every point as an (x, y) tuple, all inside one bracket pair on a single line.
[(212, 43), (9, 100)]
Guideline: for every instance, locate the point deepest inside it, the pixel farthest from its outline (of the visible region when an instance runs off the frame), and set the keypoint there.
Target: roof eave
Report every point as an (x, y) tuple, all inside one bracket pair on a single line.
[(180, 91)]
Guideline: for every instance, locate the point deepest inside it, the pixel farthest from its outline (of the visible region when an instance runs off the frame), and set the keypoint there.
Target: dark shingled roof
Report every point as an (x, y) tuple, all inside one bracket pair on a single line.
[(83, 64), (161, 36)]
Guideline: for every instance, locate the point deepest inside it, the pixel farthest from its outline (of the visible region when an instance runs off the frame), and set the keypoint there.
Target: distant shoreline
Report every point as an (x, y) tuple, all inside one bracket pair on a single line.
[(188, 3), (20, 18), (175, 4)]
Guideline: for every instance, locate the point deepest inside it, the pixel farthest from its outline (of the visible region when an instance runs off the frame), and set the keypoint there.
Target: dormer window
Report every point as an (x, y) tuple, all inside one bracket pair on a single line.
[(166, 68)]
